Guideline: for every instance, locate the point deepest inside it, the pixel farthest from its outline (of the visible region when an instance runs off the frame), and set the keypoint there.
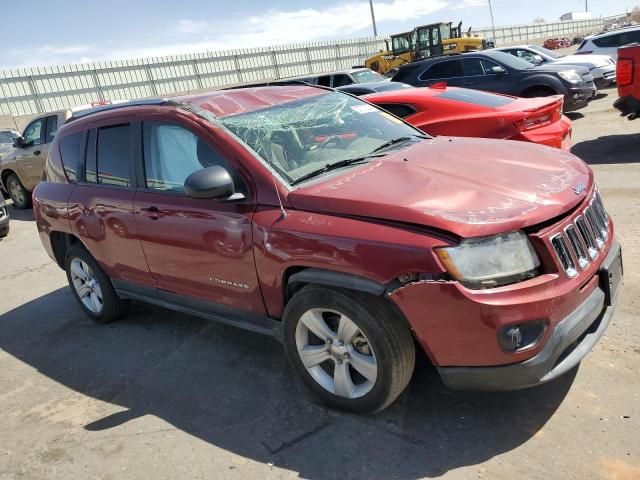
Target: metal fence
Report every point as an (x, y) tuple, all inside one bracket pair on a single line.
[(25, 92)]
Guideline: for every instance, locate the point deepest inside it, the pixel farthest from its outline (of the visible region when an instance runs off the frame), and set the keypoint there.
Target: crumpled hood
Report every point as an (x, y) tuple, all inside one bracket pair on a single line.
[(466, 186)]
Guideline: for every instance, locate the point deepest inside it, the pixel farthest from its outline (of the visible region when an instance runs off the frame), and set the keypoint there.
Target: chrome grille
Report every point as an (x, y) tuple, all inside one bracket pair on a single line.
[(583, 238), (562, 250), (578, 247)]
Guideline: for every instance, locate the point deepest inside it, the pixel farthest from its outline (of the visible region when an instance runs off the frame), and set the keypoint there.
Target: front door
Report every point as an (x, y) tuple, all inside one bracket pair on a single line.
[(31, 156), (196, 247), (478, 74)]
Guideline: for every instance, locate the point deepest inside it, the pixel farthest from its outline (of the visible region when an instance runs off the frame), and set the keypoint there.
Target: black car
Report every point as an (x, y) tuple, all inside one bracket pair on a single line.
[(373, 87), (502, 73), (4, 218)]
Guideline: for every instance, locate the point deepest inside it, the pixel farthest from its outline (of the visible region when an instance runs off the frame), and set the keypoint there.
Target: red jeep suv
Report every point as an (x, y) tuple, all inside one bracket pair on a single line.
[(313, 216)]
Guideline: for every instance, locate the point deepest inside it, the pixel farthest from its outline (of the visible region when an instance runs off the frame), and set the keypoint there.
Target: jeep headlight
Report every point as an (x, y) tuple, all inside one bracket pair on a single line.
[(570, 76), (488, 262)]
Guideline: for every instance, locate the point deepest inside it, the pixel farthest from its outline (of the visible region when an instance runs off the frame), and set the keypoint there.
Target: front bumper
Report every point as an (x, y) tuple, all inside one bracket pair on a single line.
[(604, 76), (569, 343), (628, 106), (578, 97)]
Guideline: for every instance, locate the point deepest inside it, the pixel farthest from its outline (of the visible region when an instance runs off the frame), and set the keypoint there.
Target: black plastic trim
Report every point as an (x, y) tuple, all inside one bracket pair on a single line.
[(337, 279), (198, 307)]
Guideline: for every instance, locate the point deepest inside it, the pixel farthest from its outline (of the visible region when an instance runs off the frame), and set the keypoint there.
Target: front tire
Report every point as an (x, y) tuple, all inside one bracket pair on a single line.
[(349, 348), (20, 196), (91, 287)]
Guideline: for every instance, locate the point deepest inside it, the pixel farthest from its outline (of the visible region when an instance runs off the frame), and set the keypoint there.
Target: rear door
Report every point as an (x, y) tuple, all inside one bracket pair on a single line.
[(194, 247), (449, 71), (101, 205), (30, 157)]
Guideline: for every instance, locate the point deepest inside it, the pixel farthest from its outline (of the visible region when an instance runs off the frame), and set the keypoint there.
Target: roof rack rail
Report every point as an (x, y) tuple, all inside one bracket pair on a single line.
[(117, 105)]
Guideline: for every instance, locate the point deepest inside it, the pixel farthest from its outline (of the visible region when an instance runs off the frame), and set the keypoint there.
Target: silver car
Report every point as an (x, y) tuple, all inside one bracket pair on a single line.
[(607, 43), (601, 67)]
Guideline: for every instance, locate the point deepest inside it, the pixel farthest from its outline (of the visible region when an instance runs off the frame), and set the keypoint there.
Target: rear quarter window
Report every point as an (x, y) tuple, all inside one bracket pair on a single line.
[(476, 97), (447, 69), (70, 154)]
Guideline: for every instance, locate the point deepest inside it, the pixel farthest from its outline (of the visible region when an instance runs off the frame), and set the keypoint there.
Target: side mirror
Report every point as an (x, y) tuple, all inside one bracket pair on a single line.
[(18, 142), (537, 60), (498, 70), (211, 182)]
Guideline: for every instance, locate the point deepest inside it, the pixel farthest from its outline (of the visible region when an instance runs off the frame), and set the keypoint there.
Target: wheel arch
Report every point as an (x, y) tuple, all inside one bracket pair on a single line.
[(297, 277), (60, 244)]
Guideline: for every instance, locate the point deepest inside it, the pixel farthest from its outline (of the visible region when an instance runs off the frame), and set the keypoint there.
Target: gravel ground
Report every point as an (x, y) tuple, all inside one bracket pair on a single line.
[(163, 395)]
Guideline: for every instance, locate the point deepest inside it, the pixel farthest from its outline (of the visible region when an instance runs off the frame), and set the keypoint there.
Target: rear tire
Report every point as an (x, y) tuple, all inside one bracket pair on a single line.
[(349, 348), (20, 196), (91, 287)]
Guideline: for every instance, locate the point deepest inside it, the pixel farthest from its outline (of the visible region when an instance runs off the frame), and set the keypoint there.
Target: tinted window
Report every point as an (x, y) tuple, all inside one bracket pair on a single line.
[(476, 97), (398, 109), (52, 128), (90, 167), (172, 153), (618, 40), (341, 80), (487, 65), (33, 133), (113, 153), (70, 153), (508, 60), (325, 81), (472, 67), (450, 69)]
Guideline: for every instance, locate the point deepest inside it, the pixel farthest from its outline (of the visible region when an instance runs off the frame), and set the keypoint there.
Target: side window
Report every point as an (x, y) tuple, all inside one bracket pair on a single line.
[(341, 80), (113, 154), (398, 109), (52, 128), (608, 41), (525, 55), (487, 65), (172, 153), (70, 154), (324, 80), (449, 69), (472, 67), (33, 133)]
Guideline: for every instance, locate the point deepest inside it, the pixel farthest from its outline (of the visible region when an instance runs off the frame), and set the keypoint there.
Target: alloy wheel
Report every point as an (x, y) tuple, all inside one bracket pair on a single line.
[(86, 285), (336, 353)]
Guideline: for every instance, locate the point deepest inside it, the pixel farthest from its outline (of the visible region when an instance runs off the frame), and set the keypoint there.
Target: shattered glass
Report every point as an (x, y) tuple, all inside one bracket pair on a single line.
[(302, 136)]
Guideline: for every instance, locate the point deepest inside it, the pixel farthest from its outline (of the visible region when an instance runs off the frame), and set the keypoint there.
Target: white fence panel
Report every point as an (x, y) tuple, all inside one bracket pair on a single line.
[(37, 90)]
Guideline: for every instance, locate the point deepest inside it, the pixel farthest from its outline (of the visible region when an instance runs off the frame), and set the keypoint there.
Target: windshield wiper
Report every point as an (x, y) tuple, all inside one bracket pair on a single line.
[(332, 166), (395, 141)]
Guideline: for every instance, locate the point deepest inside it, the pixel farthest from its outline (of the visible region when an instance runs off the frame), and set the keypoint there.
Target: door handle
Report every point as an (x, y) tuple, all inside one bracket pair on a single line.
[(154, 213), (36, 152)]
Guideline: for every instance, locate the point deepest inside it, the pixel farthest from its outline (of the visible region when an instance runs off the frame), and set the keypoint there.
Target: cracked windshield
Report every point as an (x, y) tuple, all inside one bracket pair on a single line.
[(301, 137)]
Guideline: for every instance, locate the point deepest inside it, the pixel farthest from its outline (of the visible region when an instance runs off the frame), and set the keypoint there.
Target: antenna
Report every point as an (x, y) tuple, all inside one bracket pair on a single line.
[(283, 212)]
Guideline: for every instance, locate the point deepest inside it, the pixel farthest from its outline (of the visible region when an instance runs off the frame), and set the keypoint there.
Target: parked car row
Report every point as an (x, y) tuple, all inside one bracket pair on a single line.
[(311, 215), (500, 72)]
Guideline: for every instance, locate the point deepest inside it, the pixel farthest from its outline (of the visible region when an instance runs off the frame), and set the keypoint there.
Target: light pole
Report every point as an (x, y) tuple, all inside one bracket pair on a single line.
[(373, 19), (493, 25)]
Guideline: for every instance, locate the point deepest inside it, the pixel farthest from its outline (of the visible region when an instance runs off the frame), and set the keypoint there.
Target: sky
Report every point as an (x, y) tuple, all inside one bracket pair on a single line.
[(79, 31)]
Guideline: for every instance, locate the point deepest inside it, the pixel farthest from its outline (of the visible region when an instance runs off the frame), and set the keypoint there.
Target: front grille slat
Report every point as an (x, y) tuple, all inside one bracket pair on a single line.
[(578, 247), (562, 250), (595, 228), (582, 239)]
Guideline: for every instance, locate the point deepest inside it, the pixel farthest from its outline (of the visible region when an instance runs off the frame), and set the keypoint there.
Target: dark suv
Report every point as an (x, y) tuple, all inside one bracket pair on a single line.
[(500, 72), (313, 216)]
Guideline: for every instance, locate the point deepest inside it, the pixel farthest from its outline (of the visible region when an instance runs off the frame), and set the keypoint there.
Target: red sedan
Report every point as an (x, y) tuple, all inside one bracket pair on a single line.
[(461, 112)]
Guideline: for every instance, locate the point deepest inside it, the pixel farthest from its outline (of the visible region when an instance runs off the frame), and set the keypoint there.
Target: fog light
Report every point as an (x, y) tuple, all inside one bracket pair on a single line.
[(576, 96), (513, 338)]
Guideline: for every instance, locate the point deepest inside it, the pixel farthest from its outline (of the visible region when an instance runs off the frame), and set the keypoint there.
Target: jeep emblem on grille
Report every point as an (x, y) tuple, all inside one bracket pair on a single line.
[(579, 188)]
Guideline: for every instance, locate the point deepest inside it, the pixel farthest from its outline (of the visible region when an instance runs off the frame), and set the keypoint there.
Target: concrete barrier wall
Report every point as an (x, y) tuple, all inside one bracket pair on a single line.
[(28, 92)]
